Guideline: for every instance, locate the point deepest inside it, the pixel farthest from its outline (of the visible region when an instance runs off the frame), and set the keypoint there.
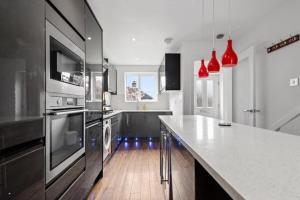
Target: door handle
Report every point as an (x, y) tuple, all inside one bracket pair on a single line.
[(68, 112), (251, 110)]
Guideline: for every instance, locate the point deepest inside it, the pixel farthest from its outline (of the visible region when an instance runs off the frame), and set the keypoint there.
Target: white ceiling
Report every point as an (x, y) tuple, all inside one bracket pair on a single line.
[(151, 21)]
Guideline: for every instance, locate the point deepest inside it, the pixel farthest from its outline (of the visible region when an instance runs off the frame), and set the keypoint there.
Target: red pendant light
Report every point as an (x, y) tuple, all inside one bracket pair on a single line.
[(202, 73), (213, 65), (229, 58)]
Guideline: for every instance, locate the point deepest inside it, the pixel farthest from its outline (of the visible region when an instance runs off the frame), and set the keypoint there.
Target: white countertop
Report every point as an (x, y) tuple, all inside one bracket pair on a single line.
[(115, 112), (248, 162)]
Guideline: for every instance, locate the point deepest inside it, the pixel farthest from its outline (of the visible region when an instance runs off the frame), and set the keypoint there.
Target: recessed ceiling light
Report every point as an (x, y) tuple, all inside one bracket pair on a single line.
[(89, 38), (133, 39), (168, 40), (220, 36), (137, 59)]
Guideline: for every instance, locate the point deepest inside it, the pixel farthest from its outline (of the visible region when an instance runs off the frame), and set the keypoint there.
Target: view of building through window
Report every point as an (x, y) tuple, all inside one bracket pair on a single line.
[(141, 87)]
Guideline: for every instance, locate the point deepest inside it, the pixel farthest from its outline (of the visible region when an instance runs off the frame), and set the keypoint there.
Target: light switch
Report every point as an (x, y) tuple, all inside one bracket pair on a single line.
[(294, 82)]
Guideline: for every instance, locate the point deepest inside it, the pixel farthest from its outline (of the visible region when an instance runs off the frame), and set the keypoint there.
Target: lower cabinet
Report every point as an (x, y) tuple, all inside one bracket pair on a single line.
[(182, 176), (116, 129), (22, 175), (142, 124)]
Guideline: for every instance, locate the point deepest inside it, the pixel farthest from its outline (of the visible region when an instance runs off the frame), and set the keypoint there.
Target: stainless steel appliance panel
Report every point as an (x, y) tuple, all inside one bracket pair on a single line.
[(71, 82), (65, 133)]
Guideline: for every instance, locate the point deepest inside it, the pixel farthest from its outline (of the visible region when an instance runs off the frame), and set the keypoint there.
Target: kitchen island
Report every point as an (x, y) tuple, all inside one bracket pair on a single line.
[(246, 162)]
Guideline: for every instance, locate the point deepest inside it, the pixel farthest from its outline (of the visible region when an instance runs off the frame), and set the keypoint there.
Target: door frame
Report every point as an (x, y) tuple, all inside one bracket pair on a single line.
[(249, 54), (213, 111)]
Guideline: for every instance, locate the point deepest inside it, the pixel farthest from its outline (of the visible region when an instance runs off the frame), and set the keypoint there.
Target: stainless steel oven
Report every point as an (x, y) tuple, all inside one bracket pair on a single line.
[(65, 101), (64, 63), (65, 133)]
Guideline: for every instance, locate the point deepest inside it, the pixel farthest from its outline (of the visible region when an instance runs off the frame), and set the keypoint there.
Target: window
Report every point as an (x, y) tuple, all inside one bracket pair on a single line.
[(205, 93), (141, 87)]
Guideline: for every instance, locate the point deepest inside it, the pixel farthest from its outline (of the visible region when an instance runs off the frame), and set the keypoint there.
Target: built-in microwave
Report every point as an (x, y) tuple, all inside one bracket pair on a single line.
[(64, 64)]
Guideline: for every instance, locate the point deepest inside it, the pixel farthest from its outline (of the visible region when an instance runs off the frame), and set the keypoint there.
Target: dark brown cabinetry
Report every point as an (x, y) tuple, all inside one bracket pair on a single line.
[(22, 176), (116, 130), (169, 73), (143, 124), (93, 61), (182, 176), (22, 102), (110, 79), (177, 167), (22, 57), (73, 12)]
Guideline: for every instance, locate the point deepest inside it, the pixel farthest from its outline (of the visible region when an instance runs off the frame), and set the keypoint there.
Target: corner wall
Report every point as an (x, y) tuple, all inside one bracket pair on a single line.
[(274, 97)]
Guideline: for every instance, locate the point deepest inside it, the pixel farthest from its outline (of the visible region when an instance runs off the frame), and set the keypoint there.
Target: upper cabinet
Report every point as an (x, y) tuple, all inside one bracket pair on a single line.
[(169, 73), (22, 56), (93, 57), (73, 12), (110, 79)]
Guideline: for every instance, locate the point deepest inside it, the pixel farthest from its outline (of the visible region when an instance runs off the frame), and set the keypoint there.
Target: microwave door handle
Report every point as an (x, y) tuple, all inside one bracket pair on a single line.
[(67, 112)]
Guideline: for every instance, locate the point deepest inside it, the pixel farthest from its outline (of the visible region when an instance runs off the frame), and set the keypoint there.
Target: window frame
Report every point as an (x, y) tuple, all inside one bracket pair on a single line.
[(139, 74)]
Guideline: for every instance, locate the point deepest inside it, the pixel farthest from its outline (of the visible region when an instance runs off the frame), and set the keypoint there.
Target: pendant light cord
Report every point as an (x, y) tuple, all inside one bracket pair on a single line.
[(202, 20), (229, 17), (213, 24)]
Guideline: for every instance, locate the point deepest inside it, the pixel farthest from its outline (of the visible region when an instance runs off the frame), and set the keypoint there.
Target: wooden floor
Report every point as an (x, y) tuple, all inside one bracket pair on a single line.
[(132, 173)]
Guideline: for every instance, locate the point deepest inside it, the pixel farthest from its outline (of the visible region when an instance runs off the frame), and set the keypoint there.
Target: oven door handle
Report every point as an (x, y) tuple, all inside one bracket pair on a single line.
[(67, 112), (92, 125)]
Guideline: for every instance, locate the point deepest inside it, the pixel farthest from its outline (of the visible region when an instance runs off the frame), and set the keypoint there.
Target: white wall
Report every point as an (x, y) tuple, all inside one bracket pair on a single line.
[(118, 101), (175, 102), (274, 96)]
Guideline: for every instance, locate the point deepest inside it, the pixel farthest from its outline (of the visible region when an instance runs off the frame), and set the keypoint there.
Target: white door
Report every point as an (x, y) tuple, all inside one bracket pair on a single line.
[(243, 89), (206, 95)]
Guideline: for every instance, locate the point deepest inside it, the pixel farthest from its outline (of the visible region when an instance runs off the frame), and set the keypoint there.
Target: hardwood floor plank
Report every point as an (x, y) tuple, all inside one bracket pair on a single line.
[(132, 173)]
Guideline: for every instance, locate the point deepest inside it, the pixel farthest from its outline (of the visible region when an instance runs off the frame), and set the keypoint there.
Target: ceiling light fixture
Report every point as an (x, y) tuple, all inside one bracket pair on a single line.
[(229, 58), (133, 39), (89, 38), (213, 65), (202, 73)]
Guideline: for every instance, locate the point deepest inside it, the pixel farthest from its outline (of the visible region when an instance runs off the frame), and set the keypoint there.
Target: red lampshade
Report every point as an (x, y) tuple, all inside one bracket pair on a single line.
[(213, 65), (202, 73), (229, 58)]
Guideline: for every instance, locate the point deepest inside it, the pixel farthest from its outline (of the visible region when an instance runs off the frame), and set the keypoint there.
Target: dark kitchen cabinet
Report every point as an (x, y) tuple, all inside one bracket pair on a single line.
[(143, 124), (182, 175), (93, 61), (110, 79), (73, 12), (134, 124), (169, 72), (94, 159), (152, 123), (116, 128), (22, 102), (22, 57), (165, 160), (22, 175)]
